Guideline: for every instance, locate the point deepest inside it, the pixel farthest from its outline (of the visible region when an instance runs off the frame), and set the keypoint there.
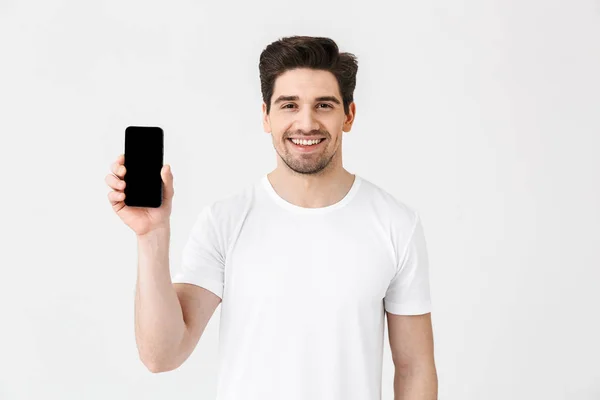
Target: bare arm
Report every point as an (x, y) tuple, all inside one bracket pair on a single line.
[(411, 343), (169, 319)]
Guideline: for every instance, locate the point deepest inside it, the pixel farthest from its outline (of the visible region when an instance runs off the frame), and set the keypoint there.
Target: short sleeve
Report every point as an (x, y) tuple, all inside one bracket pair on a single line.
[(408, 292), (203, 258)]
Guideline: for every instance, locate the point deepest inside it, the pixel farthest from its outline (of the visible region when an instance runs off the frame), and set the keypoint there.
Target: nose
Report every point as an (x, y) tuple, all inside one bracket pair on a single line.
[(306, 120)]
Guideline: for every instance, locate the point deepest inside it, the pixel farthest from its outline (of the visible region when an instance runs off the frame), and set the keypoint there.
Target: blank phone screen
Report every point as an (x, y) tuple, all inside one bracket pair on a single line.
[(143, 163)]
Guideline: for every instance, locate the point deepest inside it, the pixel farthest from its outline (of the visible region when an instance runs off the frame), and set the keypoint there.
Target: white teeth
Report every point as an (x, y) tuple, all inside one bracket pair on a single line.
[(306, 142)]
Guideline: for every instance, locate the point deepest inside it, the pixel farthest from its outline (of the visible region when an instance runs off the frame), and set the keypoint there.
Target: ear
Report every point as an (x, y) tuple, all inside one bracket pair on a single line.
[(349, 117), (265, 119)]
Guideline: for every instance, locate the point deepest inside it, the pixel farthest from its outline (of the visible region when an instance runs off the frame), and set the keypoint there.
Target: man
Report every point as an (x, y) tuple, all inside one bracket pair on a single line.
[(306, 261)]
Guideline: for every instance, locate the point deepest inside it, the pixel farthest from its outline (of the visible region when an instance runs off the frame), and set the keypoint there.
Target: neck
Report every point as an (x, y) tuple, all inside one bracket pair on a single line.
[(311, 190)]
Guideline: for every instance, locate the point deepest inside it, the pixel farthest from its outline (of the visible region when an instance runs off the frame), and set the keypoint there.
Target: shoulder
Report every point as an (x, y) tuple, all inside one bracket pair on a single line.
[(389, 206), (220, 219), (398, 219), (227, 211)]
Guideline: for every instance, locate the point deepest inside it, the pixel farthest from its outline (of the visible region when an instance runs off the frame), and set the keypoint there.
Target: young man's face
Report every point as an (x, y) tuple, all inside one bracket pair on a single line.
[(307, 103)]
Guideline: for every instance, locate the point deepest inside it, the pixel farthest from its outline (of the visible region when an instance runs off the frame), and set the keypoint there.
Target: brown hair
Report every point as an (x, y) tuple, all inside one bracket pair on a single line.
[(318, 53)]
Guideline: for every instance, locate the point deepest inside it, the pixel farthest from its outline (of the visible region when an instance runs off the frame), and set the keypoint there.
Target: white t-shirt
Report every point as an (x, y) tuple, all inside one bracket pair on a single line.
[(304, 289)]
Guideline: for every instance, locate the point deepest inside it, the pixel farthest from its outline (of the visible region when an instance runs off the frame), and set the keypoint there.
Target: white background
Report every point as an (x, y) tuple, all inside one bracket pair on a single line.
[(482, 115)]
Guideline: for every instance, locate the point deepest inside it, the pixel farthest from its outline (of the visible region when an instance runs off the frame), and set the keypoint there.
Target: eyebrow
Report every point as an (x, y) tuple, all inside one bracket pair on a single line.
[(281, 99)]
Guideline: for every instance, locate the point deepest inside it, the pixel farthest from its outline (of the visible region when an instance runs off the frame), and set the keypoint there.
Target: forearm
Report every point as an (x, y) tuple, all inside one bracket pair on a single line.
[(416, 383), (159, 324)]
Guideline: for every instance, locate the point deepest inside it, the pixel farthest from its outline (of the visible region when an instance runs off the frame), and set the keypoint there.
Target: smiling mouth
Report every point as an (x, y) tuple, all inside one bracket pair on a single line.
[(309, 143)]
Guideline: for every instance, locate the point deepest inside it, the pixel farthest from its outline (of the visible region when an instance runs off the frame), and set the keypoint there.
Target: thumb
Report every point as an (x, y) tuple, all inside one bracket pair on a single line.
[(167, 178)]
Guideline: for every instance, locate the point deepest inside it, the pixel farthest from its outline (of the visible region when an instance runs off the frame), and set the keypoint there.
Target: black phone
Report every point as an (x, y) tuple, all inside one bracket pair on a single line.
[(144, 147)]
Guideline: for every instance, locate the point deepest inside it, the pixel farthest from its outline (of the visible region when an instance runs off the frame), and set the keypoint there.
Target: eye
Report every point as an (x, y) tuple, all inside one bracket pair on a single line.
[(291, 105)]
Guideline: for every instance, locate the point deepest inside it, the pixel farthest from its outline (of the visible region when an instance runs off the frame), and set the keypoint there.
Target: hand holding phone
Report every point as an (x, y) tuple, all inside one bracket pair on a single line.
[(145, 212)]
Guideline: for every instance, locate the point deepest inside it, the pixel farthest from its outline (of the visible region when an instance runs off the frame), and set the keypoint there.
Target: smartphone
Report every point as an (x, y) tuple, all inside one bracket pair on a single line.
[(144, 147)]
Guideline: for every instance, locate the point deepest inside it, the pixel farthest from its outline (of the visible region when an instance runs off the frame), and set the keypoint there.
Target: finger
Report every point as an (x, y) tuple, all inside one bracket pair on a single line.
[(115, 183), (120, 160), (118, 167), (167, 178), (116, 197)]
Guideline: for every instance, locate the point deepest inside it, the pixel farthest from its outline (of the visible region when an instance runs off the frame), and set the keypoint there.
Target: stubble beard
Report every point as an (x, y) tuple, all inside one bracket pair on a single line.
[(306, 164)]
